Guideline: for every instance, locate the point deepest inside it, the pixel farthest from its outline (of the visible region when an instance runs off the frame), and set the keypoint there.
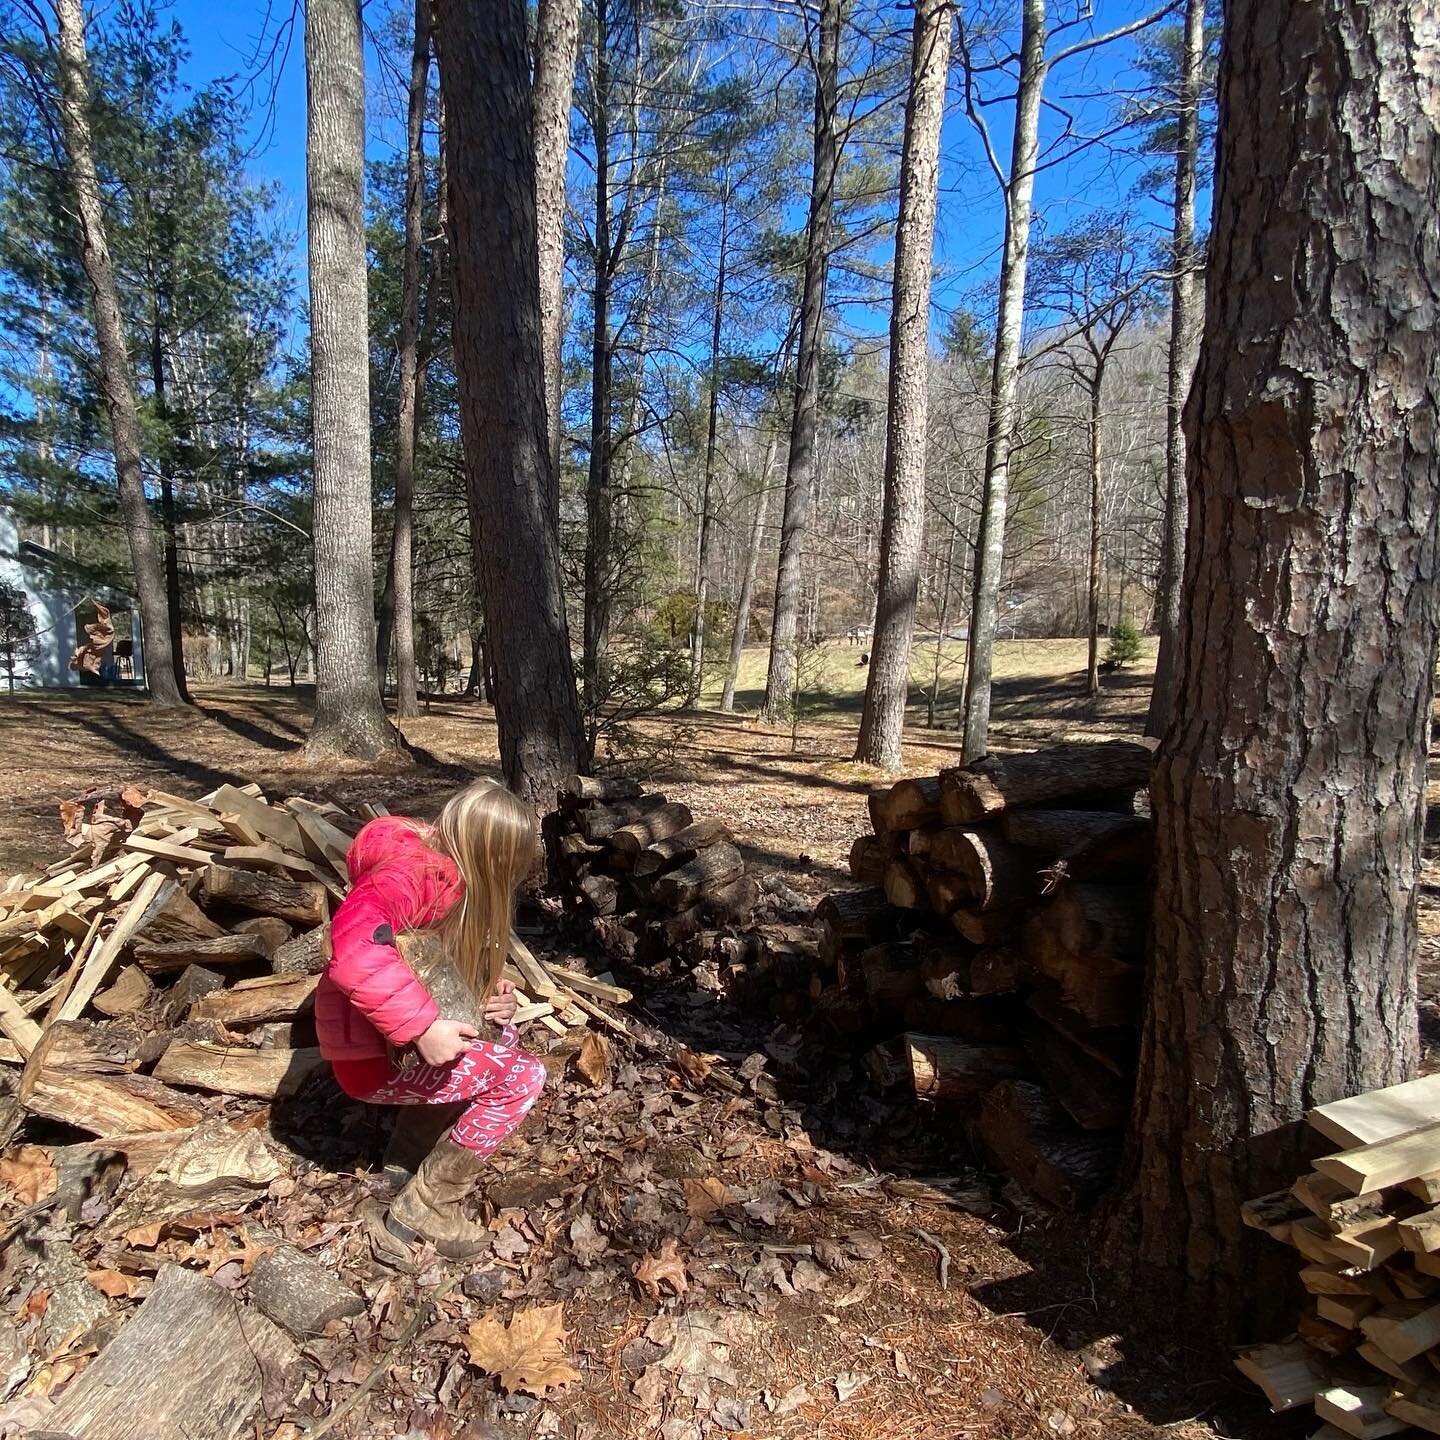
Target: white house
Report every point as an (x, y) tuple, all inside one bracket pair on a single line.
[(63, 603)]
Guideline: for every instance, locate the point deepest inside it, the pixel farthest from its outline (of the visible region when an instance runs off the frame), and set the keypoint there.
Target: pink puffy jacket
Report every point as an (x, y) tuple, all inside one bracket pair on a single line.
[(368, 994)]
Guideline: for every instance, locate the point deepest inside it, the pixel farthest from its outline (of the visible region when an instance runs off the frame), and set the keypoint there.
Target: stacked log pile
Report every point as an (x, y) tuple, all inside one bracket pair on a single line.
[(178, 951), (1364, 1222), (1001, 931)]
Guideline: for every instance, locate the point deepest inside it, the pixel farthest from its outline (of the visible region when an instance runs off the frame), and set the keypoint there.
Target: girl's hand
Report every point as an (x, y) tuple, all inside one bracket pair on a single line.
[(445, 1042), (502, 1004)]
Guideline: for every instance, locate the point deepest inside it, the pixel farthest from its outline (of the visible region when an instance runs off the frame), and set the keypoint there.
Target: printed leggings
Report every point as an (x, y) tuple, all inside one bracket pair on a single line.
[(500, 1080)]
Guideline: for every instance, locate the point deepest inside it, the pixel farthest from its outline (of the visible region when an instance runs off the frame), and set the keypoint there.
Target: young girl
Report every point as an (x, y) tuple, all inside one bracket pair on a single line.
[(457, 877)]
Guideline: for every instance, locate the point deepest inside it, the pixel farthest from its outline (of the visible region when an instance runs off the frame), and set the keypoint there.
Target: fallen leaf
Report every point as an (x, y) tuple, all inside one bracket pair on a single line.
[(114, 1283), (667, 1267), (704, 1197), (29, 1174), (528, 1354), (902, 1365), (847, 1382), (859, 1291), (792, 1399), (36, 1304), (593, 1059), (145, 1237), (692, 1066), (731, 1414), (807, 1276), (510, 1244), (864, 1246), (587, 1244)]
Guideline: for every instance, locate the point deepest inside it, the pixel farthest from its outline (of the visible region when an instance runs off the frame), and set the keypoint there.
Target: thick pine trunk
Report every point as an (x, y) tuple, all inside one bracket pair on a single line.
[(115, 381), (1288, 793), (903, 524), (1185, 297), (484, 73), (1004, 382), (805, 419), (557, 35), (349, 719)]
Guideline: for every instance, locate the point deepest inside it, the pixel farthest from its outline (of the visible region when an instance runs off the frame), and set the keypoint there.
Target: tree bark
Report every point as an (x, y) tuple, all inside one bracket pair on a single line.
[(1004, 382), (484, 74), (1097, 497), (115, 380), (407, 427), (902, 530), (349, 719), (1288, 792), (805, 418), (557, 36), (747, 583), (1185, 315)]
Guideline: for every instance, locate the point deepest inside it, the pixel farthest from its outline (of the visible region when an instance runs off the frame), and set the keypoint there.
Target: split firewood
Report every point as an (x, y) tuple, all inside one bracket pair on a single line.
[(254, 1002), (173, 916), (302, 903), (1103, 990), (220, 952), (988, 927), (299, 1294), (589, 789), (856, 914), (601, 893), (1287, 1374), (1104, 922), (1089, 1091), (995, 970), (98, 963), (195, 981), (906, 805), (270, 930), (681, 888), (905, 885), (1061, 832), (679, 848), (659, 824), (953, 1071), (306, 954), (237, 1069), (733, 903), (891, 973), (267, 821), (946, 891), (1060, 772), (130, 992), (601, 821)]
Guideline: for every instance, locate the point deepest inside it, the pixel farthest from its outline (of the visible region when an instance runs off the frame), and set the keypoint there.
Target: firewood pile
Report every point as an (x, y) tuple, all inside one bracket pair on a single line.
[(1365, 1223), (1000, 930)]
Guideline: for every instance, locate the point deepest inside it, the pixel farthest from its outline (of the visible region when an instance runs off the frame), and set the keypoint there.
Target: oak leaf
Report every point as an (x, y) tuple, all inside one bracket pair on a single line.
[(114, 1283), (527, 1354), (593, 1059), (665, 1268), (704, 1197), (29, 1174)]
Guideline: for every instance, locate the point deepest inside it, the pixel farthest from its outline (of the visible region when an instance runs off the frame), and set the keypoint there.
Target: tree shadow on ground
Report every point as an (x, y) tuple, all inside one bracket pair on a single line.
[(285, 737), (114, 731)]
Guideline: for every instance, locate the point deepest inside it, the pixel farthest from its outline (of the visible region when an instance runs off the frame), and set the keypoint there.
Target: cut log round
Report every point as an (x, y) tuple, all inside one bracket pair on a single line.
[(681, 888), (591, 788), (1005, 782), (271, 931), (945, 972), (255, 1002), (731, 904), (659, 824), (946, 891), (299, 1294), (237, 1069), (1027, 1134), (600, 822), (977, 1022), (906, 805), (1057, 832), (995, 872), (1104, 992), (869, 855), (302, 902), (856, 914), (905, 886), (891, 973), (225, 951), (601, 893), (174, 916), (1122, 857), (951, 1071), (679, 848), (306, 954)]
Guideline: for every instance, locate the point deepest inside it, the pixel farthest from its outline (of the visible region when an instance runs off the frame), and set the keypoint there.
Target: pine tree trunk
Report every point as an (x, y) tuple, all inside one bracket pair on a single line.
[(407, 432), (485, 77), (747, 584), (349, 719), (1289, 790), (1185, 316), (1092, 613), (557, 35), (1004, 382), (805, 419), (902, 531), (115, 380)]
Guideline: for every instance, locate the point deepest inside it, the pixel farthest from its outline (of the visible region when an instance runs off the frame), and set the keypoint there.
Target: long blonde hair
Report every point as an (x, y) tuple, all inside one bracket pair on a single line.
[(492, 837)]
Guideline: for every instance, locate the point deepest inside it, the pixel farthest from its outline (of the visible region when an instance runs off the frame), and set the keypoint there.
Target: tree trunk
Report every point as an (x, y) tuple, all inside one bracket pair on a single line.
[(557, 35), (484, 74), (115, 381), (349, 719), (1288, 793), (407, 430), (1092, 613), (903, 527), (1004, 382), (747, 584), (805, 418), (1185, 315), (702, 559)]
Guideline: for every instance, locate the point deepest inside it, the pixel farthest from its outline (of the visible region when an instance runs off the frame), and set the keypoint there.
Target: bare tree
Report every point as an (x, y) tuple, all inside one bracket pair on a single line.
[(349, 718), (163, 662), (887, 687), (1289, 788), (499, 361)]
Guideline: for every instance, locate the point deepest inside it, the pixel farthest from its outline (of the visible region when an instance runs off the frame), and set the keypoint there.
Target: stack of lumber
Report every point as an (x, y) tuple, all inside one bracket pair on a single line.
[(1001, 930), (661, 879), (1365, 1225), (178, 951)]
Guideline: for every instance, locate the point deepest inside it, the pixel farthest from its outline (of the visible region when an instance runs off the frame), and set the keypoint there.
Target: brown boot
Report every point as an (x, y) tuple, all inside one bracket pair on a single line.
[(418, 1130), (428, 1208)]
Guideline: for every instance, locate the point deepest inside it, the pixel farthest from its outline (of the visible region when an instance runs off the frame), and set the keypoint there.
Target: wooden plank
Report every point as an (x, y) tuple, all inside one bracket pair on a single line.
[(237, 1069), (1286, 1373), (588, 985), (270, 822), (537, 977), (97, 967), (1379, 1114), (1357, 1410), (17, 1024), (183, 854), (326, 841), (1405, 1330), (1419, 1407), (1386, 1162)]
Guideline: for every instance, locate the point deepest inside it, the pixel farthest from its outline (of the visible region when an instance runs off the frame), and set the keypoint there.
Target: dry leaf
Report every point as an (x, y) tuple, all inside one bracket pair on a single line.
[(587, 1244), (527, 1354), (667, 1267), (704, 1197), (694, 1067), (593, 1059), (114, 1283), (29, 1174), (146, 1237)]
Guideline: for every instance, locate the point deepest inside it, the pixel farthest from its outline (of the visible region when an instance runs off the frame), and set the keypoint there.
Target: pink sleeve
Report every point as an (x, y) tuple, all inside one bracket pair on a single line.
[(368, 970)]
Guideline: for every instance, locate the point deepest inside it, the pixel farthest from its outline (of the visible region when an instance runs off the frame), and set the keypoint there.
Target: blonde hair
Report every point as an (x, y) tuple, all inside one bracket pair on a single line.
[(492, 838)]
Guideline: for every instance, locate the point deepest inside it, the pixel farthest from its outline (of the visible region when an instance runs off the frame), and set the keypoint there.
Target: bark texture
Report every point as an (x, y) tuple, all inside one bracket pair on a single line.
[(747, 582), (349, 719), (903, 524), (1289, 789), (1004, 381), (805, 418), (485, 79), (557, 37), (115, 380), (1185, 313)]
